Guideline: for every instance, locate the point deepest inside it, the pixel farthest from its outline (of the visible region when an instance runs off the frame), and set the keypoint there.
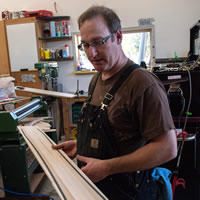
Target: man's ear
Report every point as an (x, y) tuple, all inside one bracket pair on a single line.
[(119, 36)]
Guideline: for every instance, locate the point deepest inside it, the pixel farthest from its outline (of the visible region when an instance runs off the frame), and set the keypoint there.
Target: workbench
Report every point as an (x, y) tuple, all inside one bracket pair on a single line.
[(66, 99)]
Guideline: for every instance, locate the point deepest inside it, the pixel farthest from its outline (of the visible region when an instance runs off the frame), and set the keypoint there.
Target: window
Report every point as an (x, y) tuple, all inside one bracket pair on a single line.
[(137, 44)]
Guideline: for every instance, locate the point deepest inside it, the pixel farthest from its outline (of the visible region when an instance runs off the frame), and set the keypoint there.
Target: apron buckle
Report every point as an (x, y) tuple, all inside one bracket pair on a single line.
[(108, 96), (103, 105)]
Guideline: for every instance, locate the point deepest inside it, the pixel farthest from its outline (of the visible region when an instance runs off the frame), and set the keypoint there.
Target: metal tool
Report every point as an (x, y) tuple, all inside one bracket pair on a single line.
[(48, 74), (78, 92)]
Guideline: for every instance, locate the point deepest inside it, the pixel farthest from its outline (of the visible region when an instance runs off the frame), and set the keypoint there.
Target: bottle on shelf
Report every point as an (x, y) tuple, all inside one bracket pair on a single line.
[(67, 50), (58, 29), (52, 54), (64, 26), (69, 30)]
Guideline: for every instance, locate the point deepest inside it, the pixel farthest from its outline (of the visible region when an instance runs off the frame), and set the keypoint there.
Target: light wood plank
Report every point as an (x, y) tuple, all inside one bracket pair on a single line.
[(45, 92), (67, 179)]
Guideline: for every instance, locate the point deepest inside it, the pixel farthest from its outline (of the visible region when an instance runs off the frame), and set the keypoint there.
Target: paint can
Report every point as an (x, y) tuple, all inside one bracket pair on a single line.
[(21, 14), (6, 15), (15, 15)]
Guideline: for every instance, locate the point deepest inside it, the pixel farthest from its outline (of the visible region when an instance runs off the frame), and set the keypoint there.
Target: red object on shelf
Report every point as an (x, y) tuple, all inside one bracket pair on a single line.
[(38, 13)]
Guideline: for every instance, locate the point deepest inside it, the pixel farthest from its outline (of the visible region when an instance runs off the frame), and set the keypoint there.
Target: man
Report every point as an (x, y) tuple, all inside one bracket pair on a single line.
[(122, 135)]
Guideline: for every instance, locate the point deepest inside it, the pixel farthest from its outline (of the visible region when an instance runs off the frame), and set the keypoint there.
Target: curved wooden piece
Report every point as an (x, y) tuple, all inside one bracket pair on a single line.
[(67, 179)]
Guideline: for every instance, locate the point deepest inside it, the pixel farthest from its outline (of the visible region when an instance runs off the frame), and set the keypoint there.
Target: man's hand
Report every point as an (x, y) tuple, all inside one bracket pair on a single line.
[(95, 169), (69, 147)]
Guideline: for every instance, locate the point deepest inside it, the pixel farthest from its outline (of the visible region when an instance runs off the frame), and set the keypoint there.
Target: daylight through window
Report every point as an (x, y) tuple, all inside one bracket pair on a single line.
[(137, 44)]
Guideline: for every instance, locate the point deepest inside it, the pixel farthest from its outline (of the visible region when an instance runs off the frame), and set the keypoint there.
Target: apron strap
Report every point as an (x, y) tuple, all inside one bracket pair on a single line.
[(88, 98), (109, 95)]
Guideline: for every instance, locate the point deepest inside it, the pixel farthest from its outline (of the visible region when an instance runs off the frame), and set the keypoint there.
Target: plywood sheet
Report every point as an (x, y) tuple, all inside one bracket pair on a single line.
[(67, 179)]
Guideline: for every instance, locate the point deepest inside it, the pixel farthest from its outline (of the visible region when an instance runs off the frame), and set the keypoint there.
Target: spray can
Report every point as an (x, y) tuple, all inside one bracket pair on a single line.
[(52, 54), (69, 30), (67, 50), (64, 28)]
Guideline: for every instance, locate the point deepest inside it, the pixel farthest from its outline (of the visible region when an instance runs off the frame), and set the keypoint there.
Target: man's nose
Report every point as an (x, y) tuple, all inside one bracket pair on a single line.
[(92, 51)]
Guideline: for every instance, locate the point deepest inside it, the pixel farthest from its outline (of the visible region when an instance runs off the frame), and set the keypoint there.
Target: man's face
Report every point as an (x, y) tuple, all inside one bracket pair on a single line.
[(103, 57)]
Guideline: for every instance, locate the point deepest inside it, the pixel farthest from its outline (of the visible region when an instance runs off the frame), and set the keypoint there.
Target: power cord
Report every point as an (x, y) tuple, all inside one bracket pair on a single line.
[(190, 98), (24, 194)]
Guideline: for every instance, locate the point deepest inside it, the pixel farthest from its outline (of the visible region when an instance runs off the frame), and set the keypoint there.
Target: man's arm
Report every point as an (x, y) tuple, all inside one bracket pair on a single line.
[(160, 150)]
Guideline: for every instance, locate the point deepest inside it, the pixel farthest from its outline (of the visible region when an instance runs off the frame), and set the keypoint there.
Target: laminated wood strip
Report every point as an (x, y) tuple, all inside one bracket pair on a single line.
[(67, 179)]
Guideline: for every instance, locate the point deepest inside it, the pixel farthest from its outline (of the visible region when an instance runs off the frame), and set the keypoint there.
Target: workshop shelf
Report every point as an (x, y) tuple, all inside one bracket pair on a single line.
[(51, 39), (54, 18), (58, 59)]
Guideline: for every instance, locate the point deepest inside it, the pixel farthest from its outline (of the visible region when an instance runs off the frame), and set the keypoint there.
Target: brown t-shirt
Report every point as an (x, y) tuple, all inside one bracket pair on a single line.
[(139, 110)]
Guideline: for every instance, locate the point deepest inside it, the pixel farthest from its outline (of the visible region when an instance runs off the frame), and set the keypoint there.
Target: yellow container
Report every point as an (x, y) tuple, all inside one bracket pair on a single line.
[(74, 133), (47, 54), (41, 53)]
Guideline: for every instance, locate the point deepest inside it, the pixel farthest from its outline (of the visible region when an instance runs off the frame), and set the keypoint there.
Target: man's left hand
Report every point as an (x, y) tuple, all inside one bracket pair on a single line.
[(95, 169)]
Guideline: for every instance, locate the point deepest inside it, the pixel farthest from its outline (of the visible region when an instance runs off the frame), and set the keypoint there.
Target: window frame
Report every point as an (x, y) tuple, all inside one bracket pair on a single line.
[(145, 28), (136, 29)]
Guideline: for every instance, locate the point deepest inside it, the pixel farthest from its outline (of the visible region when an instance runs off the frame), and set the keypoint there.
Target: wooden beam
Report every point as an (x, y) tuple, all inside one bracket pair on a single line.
[(67, 179)]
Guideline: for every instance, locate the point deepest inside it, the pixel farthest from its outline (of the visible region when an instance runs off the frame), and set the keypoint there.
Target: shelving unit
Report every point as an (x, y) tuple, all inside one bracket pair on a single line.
[(44, 40), (84, 72), (51, 39), (55, 18), (57, 59)]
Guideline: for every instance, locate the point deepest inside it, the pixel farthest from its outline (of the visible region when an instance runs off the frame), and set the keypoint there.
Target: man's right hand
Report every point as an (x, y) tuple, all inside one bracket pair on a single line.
[(69, 147)]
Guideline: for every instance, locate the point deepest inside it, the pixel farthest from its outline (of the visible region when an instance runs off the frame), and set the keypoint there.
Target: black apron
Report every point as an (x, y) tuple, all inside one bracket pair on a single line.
[(94, 139)]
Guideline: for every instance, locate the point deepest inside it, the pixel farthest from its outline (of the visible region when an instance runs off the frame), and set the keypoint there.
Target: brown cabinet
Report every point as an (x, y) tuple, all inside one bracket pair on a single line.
[(4, 58), (9, 56)]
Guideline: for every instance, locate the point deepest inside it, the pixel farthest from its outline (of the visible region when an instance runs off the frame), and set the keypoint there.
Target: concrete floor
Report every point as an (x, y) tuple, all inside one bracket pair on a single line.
[(46, 188)]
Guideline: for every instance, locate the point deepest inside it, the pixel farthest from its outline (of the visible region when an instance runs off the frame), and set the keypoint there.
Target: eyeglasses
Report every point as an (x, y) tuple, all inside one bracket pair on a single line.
[(83, 46)]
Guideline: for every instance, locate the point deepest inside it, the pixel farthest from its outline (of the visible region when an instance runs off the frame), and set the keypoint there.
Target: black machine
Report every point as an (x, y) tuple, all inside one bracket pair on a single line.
[(183, 91), (181, 79)]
